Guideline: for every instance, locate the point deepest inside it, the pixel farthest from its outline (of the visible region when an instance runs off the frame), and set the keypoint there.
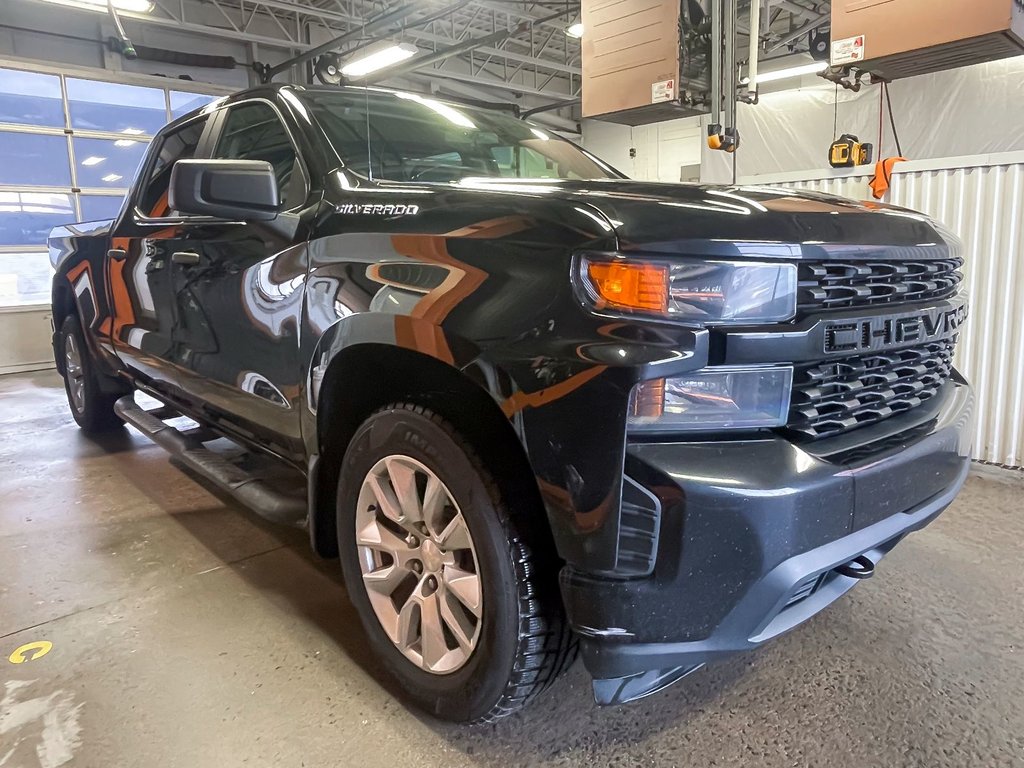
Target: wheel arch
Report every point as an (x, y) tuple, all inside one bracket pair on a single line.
[(347, 396), (62, 305)]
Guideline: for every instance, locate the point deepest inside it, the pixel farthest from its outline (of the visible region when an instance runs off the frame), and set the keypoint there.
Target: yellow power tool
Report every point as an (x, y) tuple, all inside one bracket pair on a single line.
[(847, 152)]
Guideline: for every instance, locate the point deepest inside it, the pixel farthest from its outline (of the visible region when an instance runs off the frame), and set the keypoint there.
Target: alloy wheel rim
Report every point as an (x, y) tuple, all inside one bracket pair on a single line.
[(419, 565), (74, 373)]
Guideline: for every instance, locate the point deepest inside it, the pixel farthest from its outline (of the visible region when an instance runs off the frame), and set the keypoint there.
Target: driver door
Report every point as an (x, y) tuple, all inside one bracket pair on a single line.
[(143, 304), (239, 288)]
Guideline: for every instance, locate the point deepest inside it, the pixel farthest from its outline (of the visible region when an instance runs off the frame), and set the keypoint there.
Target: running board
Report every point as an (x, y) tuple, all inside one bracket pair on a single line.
[(188, 448)]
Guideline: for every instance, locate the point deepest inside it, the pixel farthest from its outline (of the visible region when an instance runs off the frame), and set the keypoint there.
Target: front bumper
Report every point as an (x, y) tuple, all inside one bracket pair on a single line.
[(749, 536)]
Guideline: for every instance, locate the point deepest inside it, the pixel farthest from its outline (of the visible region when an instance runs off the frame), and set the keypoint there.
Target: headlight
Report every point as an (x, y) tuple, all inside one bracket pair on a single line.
[(715, 398), (705, 291)]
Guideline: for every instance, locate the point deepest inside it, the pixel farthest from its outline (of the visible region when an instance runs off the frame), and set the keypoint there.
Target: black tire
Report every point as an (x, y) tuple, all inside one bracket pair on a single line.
[(524, 641), (91, 407)]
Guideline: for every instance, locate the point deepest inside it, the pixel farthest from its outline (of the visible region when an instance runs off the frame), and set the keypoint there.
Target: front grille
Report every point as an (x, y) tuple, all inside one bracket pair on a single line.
[(848, 284), (840, 395)]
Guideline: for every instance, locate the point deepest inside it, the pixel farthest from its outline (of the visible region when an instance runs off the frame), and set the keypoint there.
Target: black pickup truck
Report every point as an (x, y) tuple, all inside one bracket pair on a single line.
[(539, 407)]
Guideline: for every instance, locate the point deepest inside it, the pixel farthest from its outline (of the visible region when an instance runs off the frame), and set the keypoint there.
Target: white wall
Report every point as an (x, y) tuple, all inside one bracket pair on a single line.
[(661, 149), (25, 339), (968, 111), (980, 198)]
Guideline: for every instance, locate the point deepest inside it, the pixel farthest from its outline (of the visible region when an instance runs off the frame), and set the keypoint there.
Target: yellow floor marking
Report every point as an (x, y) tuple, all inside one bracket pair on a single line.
[(30, 651)]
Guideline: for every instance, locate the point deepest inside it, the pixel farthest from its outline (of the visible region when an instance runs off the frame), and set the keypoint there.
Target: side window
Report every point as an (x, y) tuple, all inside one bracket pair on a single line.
[(254, 132), (523, 162), (179, 145)]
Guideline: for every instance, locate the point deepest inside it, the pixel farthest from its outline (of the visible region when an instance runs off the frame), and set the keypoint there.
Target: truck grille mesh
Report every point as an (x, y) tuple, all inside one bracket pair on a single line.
[(846, 284), (839, 395)]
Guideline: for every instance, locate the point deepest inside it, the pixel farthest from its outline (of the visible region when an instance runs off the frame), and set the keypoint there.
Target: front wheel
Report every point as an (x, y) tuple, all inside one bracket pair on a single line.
[(91, 407), (457, 592)]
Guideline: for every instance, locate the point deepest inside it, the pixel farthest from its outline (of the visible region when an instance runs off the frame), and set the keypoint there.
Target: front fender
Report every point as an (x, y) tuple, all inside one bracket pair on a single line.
[(494, 301)]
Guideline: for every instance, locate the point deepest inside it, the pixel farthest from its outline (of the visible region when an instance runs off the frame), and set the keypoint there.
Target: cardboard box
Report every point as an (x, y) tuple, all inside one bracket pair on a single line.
[(903, 38)]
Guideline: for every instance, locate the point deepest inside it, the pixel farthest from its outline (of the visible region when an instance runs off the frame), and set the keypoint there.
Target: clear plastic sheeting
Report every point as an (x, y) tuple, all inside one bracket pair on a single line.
[(968, 111), (980, 199)]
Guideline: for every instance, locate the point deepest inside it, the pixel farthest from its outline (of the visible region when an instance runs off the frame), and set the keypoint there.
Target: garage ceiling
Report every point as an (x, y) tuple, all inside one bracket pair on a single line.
[(538, 59)]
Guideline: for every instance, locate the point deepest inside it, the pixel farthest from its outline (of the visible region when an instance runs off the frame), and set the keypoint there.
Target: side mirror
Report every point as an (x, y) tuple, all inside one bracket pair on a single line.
[(227, 189)]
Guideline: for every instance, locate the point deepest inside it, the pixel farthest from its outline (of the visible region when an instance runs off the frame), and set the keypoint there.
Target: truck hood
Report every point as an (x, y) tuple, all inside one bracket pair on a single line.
[(769, 222)]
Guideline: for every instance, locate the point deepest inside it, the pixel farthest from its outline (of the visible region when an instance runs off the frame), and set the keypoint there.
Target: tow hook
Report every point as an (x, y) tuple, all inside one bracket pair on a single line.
[(861, 567)]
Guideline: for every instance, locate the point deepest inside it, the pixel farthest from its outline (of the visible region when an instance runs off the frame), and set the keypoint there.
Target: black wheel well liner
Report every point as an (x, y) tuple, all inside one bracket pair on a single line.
[(62, 304), (364, 378)]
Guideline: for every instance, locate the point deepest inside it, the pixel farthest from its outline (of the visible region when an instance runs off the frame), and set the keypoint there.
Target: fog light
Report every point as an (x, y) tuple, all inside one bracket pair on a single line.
[(714, 398)]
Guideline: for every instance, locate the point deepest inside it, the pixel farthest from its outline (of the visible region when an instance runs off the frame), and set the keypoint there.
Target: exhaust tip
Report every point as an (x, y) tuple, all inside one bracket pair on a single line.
[(861, 567)]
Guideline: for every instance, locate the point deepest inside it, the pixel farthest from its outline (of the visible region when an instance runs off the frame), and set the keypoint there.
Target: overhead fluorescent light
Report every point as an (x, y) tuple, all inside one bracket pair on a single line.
[(132, 6), (129, 142), (451, 115), (133, 131), (93, 160), (575, 30), (784, 74), (111, 177), (378, 56)]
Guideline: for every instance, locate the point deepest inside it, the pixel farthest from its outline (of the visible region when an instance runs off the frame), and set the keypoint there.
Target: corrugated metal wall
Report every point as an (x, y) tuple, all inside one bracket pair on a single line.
[(982, 200)]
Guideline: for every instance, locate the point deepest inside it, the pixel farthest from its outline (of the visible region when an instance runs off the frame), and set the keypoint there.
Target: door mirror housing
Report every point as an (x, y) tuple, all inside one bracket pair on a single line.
[(243, 190)]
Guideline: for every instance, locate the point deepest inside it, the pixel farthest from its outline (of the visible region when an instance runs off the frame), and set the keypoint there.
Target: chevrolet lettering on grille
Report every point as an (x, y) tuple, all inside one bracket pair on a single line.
[(895, 330)]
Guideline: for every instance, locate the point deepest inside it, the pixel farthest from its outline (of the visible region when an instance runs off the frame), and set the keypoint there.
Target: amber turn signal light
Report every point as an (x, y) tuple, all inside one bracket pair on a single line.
[(630, 285)]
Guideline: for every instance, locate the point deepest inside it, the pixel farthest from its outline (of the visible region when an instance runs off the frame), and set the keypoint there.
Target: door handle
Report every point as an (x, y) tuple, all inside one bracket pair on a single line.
[(185, 258), (117, 254)]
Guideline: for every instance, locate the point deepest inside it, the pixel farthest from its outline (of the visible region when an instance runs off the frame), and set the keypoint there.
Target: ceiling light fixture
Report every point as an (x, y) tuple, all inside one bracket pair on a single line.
[(93, 160), (125, 143), (450, 114), (111, 177), (575, 30), (378, 56), (785, 74), (131, 6), (133, 131)]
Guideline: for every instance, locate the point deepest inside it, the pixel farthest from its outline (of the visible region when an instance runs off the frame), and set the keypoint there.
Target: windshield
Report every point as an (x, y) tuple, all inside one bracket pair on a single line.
[(406, 137)]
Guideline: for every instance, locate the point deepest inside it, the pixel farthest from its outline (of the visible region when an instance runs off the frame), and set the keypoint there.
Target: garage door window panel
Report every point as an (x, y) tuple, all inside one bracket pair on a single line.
[(106, 163), (26, 218), (34, 160), (131, 110), (30, 98), (183, 102), (24, 278), (181, 145), (98, 207)]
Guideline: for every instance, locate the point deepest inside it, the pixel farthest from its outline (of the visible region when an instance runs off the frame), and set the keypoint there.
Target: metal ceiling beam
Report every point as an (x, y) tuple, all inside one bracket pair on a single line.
[(488, 82), (556, 121), (375, 23), (417, 34), (796, 34), (524, 14), (419, 62), (798, 10)]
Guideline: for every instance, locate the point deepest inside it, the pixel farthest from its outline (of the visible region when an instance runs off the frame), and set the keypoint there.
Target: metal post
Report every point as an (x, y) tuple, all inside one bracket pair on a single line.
[(716, 61), (755, 45), (729, 61)]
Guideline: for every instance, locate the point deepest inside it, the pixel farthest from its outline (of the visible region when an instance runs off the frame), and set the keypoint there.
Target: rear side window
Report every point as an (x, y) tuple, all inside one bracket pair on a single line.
[(179, 145), (254, 132)]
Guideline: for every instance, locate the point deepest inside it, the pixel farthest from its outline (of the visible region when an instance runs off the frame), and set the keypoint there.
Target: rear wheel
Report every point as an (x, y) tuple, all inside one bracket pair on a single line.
[(91, 407), (457, 592)]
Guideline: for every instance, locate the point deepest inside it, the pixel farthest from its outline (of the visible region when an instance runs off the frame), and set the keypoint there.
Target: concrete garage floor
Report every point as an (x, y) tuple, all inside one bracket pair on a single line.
[(187, 631)]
